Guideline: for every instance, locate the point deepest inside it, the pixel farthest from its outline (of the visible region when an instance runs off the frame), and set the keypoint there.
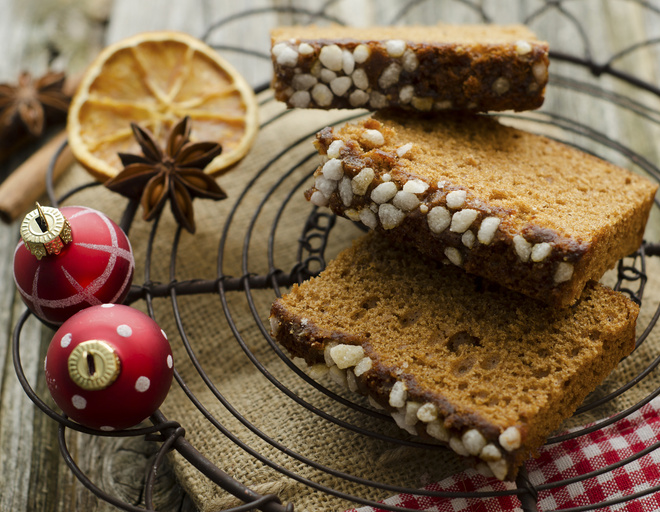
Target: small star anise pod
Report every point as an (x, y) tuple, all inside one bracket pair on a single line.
[(30, 102), (176, 173)]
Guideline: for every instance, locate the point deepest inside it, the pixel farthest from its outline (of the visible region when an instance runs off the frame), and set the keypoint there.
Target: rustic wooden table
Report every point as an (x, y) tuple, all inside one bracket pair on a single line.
[(66, 34)]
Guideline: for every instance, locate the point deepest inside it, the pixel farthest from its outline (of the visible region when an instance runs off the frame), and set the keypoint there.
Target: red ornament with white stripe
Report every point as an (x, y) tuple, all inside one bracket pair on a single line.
[(109, 367), (69, 259)]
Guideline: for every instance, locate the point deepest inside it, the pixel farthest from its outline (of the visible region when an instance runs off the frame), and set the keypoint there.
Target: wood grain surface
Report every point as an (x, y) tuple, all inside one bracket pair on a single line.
[(67, 34)]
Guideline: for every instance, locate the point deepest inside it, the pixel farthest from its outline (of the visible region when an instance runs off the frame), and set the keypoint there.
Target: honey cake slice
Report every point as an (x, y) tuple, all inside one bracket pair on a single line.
[(451, 356), (525, 211), (422, 68)]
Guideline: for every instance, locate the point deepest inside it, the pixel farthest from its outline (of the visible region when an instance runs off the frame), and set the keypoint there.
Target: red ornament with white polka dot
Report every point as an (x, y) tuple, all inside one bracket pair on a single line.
[(69, 259), (109, 367)]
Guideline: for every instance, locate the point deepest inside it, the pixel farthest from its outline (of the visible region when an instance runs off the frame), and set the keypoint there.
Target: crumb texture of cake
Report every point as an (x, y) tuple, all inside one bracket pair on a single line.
[(527, 212), (453, 357), (421, 68)]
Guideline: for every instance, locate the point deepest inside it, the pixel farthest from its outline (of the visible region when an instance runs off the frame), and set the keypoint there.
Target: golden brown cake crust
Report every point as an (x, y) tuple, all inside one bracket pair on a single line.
[(422, 68), (528, 212), (480, 365)]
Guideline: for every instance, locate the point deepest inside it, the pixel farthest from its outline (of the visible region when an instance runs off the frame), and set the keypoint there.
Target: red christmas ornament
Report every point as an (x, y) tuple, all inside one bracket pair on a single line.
[(70, 259), (109, 367)]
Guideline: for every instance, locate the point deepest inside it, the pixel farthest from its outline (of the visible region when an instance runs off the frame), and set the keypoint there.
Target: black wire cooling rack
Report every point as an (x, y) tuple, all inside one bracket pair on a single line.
[(310, 255)]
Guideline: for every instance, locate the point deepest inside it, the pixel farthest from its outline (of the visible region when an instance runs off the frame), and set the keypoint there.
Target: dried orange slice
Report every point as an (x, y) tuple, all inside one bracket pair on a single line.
[(155, 79)]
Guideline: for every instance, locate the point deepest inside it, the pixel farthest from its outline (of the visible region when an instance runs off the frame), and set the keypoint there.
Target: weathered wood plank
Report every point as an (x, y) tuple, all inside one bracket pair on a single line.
[(16, 421)]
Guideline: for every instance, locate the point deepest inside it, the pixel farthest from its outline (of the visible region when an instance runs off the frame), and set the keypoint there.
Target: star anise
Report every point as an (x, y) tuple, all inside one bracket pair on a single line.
[(31, 102), (176, 173)]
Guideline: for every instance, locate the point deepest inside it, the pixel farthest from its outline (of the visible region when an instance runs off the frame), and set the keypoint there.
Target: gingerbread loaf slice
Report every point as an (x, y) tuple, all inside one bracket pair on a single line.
[(451, 356), (423, 68), (527, 212)]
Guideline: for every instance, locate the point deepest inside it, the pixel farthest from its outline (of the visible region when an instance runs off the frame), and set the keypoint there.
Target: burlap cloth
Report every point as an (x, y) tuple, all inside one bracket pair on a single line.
[(273, 175)]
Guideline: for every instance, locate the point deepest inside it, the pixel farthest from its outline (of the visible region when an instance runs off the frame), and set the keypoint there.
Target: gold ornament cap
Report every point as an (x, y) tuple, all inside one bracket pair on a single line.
[(93, 365), (45, 231)]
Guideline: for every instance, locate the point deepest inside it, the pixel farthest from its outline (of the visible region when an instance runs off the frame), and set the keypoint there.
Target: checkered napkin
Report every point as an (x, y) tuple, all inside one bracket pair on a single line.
[(561, 461)]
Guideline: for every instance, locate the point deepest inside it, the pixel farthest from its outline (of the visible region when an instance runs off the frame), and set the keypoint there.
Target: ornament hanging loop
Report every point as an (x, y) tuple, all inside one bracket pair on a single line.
[(93, 365), (41, 220), (45, 231)]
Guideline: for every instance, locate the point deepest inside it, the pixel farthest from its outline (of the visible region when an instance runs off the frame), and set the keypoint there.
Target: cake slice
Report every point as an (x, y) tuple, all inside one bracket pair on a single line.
[(424, 68), (451, 356), (527, 212)]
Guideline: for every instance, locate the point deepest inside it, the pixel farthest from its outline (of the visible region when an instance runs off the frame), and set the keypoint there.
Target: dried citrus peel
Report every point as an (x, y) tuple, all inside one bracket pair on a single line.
[(156, 79)]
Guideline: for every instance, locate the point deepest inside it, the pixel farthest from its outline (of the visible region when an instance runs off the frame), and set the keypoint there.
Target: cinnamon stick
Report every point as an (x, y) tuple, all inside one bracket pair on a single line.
[(27, 183)]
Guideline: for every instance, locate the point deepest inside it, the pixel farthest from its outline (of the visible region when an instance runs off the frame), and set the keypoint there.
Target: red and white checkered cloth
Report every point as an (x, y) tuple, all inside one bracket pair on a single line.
[(561, 461)]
